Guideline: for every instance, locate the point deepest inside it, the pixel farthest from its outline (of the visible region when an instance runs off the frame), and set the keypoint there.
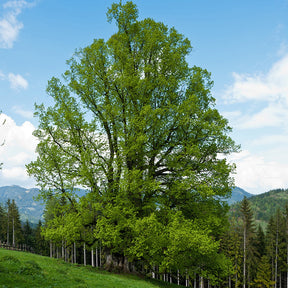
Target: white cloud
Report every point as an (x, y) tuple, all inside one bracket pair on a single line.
[(256, 175), (265, 97), (274, 115), (257, 107), (269, 87), (17, 82), (18, 150), (9, 24)]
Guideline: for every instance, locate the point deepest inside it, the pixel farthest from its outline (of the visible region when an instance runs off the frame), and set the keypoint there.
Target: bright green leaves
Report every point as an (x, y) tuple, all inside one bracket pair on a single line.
[(186, 237)]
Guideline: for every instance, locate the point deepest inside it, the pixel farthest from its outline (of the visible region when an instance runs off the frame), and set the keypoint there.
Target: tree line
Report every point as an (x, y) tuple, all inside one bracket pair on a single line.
[(259, 257), (18, 235), (255, 257)]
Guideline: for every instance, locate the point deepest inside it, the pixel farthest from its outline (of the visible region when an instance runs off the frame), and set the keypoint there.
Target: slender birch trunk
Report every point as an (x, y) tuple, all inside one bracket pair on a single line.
[(92, 258), (62, 250), (51, 249), (276, 251), (201, 282), (187, 280), (8, 228), (244, 257), (97, 262), (84, 252), (75, 253), (100, 263), (13, 232)]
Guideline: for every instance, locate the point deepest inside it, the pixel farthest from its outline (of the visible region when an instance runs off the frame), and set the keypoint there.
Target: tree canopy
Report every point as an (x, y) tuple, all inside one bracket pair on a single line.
[(138, 128)]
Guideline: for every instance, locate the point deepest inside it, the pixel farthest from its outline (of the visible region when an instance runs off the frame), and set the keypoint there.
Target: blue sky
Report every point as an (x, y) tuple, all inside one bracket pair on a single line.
[(244, 44)]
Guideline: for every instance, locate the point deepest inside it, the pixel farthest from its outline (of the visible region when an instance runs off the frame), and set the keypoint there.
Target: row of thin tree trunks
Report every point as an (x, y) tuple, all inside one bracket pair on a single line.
[(16, 247), (69, 254)]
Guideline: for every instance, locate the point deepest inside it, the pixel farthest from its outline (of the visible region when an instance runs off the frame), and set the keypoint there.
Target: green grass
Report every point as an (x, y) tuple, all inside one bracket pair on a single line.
[(19, 269)]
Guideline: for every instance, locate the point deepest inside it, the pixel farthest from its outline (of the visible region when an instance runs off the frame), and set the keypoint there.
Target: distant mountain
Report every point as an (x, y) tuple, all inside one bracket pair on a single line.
[(24, 199), (237, 195)]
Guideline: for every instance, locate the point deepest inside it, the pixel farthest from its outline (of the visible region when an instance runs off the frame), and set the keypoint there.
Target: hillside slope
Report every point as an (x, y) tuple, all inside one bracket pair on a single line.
[(19, 269)]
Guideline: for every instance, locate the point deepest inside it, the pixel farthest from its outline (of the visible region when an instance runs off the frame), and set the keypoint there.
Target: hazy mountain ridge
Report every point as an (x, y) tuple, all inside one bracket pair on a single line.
[(237, 195), (33, 210), (24, 198)]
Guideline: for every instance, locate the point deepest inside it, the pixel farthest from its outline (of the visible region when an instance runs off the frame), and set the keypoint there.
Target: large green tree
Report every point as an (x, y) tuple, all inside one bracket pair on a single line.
[(137, 127)]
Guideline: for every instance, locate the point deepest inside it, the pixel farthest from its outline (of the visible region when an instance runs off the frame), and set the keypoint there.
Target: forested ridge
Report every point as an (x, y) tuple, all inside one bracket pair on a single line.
[(264, 205)]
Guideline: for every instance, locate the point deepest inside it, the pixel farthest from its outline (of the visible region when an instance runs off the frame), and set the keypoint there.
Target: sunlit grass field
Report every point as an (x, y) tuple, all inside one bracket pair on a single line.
[(19, 269)]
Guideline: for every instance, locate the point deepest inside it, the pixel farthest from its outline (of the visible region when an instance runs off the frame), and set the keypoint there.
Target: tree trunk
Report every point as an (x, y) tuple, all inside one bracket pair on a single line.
[(187, 280), (276, 253), (201, 282), (51, 249), (97, 262), (63, 251), (92, 258), (8, 227), (244, 257), (117, 263), (100, 263), (84, 252), (75, 253), (13, 232)]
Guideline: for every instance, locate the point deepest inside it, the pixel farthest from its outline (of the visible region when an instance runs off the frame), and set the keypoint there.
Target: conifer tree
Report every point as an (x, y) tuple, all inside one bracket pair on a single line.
[(264, 275), (248, 235), (260, 242), (28, 235), (2, 223), (41, 245), (13, 224)]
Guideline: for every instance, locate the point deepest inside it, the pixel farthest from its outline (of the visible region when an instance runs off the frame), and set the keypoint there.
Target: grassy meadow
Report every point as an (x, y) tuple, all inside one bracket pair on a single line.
[(19, 269)]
